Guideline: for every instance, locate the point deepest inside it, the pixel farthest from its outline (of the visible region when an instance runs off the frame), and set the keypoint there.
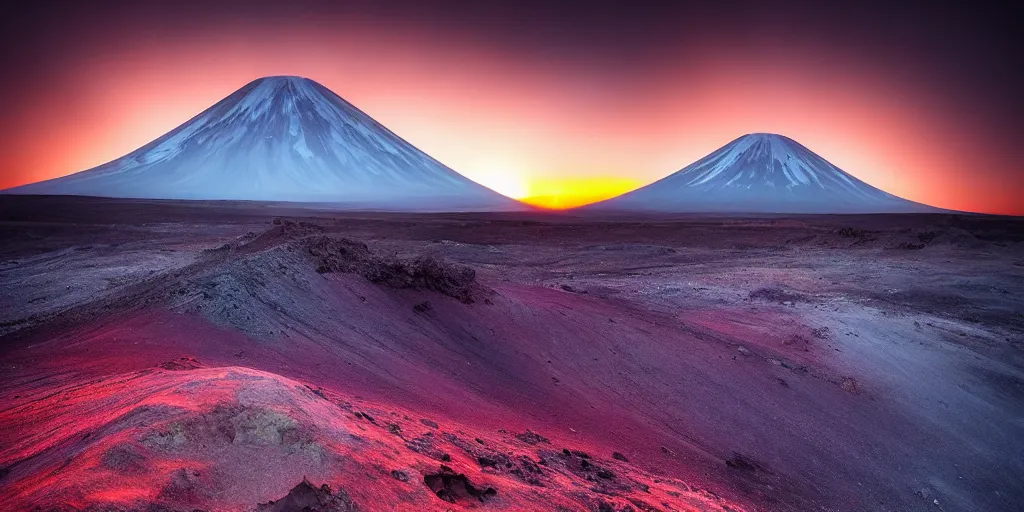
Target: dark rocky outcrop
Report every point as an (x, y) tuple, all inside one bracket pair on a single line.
[(456, 487), (306, 497)]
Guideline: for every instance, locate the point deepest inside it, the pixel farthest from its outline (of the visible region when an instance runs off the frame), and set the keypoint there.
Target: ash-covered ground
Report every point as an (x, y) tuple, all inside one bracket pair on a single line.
[(160, 355)]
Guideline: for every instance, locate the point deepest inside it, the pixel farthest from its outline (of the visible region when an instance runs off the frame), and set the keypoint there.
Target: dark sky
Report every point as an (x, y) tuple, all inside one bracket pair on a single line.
[(968, 46), (954, 58)]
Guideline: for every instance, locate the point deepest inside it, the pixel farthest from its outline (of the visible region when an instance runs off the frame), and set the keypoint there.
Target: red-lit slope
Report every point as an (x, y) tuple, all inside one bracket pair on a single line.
[(182, 436)]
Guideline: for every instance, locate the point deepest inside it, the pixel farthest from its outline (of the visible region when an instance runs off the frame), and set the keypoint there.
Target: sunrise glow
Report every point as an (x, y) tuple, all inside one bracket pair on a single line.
[(526, 128), (504, 181), (570, 192)]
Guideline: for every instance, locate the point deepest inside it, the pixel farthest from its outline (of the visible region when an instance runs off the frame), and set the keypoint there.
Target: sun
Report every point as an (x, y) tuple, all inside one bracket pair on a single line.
[(506, 183)]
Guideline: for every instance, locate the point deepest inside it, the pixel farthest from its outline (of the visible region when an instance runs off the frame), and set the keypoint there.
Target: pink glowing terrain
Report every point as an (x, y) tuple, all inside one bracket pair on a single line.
[(217, 357)]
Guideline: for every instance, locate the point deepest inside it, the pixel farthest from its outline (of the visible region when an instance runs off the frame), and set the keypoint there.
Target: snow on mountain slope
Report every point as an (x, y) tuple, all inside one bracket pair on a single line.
[(761, 173), (282, 138)]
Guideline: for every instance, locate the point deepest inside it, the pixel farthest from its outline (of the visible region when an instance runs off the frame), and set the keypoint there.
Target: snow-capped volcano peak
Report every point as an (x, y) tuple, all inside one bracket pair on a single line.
[(761, 172), (768, 159), (282, 138)]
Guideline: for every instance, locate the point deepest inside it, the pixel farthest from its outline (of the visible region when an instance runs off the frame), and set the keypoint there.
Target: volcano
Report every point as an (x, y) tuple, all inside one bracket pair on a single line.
[(762, 173), (282, 138)]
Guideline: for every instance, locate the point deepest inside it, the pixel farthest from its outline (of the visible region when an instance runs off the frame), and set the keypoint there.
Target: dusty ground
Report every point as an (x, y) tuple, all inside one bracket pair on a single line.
[(172, 356)]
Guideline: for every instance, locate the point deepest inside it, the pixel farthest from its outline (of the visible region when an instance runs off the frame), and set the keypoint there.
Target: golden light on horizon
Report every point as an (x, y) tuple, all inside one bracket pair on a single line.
[(559, 193), (552, 192)]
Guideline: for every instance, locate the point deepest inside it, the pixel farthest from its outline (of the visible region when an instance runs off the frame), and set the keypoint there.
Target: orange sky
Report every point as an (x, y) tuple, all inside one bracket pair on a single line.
[(525, 128)]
